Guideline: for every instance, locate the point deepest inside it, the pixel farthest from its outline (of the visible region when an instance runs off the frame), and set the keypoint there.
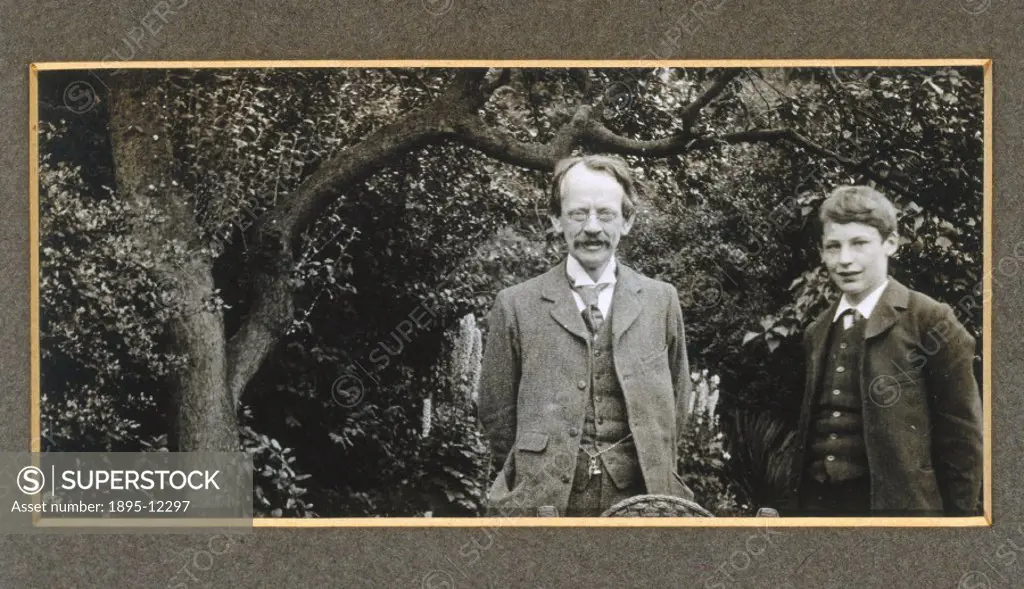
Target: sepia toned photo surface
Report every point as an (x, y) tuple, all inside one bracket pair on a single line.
[(527, 293)]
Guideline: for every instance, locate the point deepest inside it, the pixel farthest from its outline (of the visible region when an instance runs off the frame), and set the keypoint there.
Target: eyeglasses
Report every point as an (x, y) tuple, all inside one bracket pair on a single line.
[(581, 216)]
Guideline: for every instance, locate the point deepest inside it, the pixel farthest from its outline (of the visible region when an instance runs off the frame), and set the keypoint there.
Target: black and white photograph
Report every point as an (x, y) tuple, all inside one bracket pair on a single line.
[(526, 290)]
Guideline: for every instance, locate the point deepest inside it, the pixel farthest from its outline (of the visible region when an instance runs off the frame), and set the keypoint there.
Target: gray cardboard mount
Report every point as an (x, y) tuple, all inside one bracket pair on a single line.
[(447, 558)]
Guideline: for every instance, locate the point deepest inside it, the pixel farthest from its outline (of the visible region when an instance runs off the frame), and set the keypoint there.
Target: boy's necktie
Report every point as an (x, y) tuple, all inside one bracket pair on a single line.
[(850, 318)]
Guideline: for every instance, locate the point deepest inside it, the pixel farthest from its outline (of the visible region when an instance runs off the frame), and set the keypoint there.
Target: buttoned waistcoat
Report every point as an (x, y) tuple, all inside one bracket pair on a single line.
[(533, 386)]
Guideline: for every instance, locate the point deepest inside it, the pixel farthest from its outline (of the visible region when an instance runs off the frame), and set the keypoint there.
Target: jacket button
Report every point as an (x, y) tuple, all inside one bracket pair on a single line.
[(840, 369), (836, 414), (835, 393), (830, 458), (600, 420), (565, 478), (582, 384), (842, 346), (574, 432), (833, 436)]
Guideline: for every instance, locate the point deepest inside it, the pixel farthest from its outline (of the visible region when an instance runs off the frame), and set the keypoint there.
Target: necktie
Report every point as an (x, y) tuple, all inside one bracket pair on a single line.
[(850, 318), (591, 312)]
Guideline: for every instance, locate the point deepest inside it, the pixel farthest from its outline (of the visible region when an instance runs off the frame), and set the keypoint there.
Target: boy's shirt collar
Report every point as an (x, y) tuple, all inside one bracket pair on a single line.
[(866, 306)]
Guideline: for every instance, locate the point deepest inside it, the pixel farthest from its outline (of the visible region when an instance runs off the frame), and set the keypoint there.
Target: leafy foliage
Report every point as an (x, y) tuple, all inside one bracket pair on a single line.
[(100, 318), (703, 457), (452, 464), (398, 259), (276, 490)]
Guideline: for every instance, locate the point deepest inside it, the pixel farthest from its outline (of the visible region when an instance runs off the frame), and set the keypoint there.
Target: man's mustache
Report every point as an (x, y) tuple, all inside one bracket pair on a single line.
[(586, 242)]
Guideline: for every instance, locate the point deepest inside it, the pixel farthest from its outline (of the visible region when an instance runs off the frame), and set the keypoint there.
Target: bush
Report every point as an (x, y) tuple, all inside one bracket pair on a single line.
[(275, 490), (452, 468), (703, 458)]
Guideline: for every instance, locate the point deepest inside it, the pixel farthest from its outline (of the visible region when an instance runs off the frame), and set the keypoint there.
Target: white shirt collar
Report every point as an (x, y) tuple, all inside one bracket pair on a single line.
[(866, 306), (580, 277)]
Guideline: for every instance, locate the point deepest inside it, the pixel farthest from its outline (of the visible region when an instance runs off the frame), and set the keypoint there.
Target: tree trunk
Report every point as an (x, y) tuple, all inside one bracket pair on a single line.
[(203, 413), (204, 416)]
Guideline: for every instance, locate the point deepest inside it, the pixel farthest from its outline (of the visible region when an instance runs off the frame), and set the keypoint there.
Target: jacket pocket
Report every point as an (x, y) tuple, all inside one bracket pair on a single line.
[(656, 374), (902, 375), (532, 442), (623, 466), (530, 456), (649, 357)]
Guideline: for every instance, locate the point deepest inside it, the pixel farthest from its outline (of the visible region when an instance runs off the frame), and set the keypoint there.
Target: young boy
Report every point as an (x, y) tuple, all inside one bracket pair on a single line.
[(891, 416)]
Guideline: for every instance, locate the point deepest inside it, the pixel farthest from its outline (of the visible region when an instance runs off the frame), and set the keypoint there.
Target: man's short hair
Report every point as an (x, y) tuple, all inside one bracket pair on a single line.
[(612, 165), (859, 204)]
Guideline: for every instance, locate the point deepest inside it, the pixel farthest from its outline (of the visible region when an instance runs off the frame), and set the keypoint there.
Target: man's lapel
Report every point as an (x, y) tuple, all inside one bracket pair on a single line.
[(887, 312), (626, 305), (563, 309)]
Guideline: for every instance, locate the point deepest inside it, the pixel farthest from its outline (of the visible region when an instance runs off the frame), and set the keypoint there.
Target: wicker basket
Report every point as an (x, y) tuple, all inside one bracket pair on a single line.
[(656, 506)]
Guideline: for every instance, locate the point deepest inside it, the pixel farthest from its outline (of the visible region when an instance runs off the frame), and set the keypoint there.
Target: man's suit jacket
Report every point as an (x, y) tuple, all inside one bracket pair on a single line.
[(535, 374), (921, 407)]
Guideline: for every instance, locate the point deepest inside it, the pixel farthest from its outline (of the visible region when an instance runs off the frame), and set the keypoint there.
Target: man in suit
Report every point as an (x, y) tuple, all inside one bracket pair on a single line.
[(585, 385), (891, 416)]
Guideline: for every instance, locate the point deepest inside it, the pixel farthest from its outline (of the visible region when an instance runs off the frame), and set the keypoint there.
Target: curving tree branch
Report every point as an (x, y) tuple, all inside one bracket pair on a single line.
[(692, 110), (454, 116), (473, 132), (279, 230)]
